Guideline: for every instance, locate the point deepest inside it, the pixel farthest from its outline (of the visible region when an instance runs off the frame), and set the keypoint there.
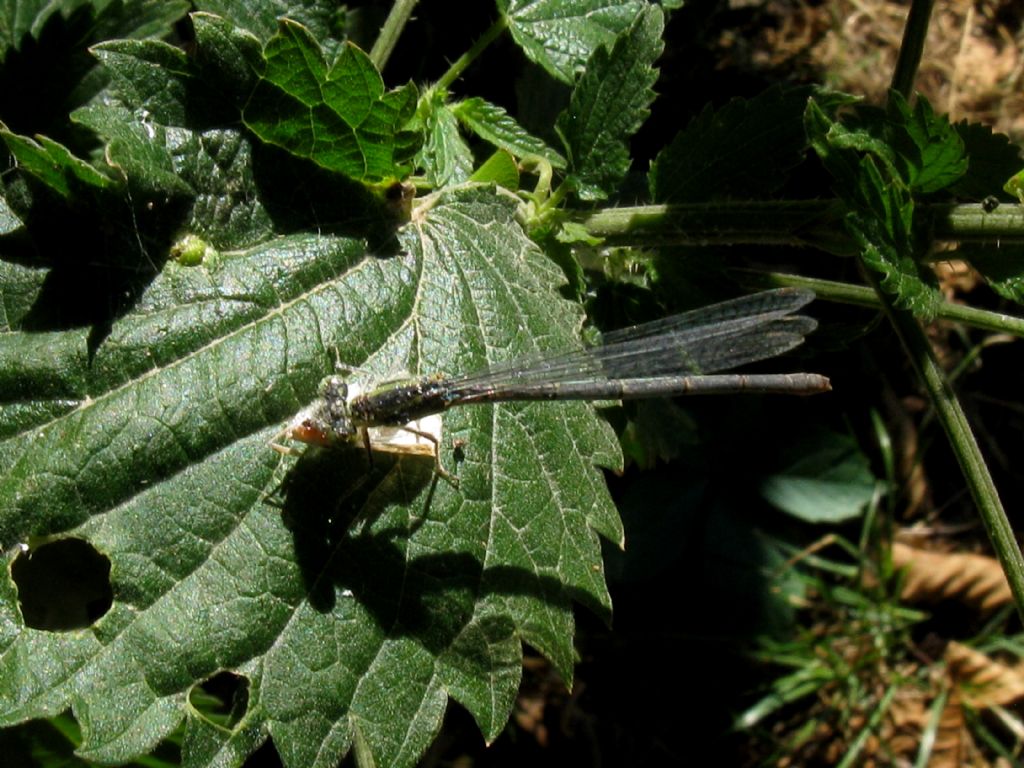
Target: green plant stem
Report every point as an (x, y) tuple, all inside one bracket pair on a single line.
[(815, 223), (847, 293), (551, 205), (467, 58), (972, 223), (931, 729), (914, 34), (391, 31), (796, 223), (947, 407), (953, 420)]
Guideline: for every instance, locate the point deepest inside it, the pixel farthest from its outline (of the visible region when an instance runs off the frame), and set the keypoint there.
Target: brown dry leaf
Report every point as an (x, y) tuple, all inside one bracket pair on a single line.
[(932, 577), (956, 277), (533, 698), (529, 715), (982, 681), (907, 717)]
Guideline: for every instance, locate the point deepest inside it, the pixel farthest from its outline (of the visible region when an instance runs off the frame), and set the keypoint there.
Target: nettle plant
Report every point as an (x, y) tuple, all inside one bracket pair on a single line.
[(193, 234)]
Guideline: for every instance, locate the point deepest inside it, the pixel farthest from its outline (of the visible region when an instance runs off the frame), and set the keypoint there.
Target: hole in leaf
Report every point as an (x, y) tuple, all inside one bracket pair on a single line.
[(52, 742), (221, 699), (63, 585), (266, 757)]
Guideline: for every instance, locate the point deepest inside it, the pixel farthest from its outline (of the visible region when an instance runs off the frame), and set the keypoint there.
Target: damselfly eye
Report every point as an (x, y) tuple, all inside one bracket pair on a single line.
[(334, 388)]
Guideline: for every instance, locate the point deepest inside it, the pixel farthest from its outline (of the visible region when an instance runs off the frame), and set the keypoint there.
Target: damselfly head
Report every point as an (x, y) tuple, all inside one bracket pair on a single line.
[(324, 422), (308, 431), (308, 426), (334, 398)]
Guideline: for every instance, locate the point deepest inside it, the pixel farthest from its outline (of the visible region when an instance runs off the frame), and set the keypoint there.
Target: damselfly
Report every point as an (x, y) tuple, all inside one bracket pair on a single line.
[(678, 355)]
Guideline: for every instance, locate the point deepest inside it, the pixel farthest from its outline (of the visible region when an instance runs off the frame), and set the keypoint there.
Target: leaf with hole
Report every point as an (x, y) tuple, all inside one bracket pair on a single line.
[(353, 600)]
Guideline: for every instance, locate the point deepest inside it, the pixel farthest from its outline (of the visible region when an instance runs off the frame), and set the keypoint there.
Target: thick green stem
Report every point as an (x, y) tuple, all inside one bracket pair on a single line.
[(947, 407), (469, 56), (391, 31), (776, 223), (977, 223), (914, 35), (815, 223), (953, 420)]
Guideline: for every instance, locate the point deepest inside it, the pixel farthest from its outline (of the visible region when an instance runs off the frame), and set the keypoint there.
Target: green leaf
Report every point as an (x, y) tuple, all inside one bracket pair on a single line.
[(21, 20), (445, 157), (1002, 267), (352, 602), (324, 20), (17, 20), (150, 80), (494, 125), (20, 286), (561, 35), (53, 164), (339, 116), (882, 226), (1015, 186), (744, 150), (881, 217), (608, 105), (991, 154), (916, 146), (933, 155), (141, 151), (571, 232), (213, 169), (501, 169), (148, 75), (828, 138), (136, 19), (228, 57), (9, 220), (47, 68), (227, 206), (158, 92), (828, 481), (141, 18)]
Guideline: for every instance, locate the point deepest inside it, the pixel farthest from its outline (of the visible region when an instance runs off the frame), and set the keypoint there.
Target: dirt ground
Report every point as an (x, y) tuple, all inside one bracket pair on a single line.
[(972, 68)]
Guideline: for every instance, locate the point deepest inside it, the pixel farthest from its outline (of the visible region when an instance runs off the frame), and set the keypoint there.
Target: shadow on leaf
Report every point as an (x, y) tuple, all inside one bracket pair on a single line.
[(348, 540)]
